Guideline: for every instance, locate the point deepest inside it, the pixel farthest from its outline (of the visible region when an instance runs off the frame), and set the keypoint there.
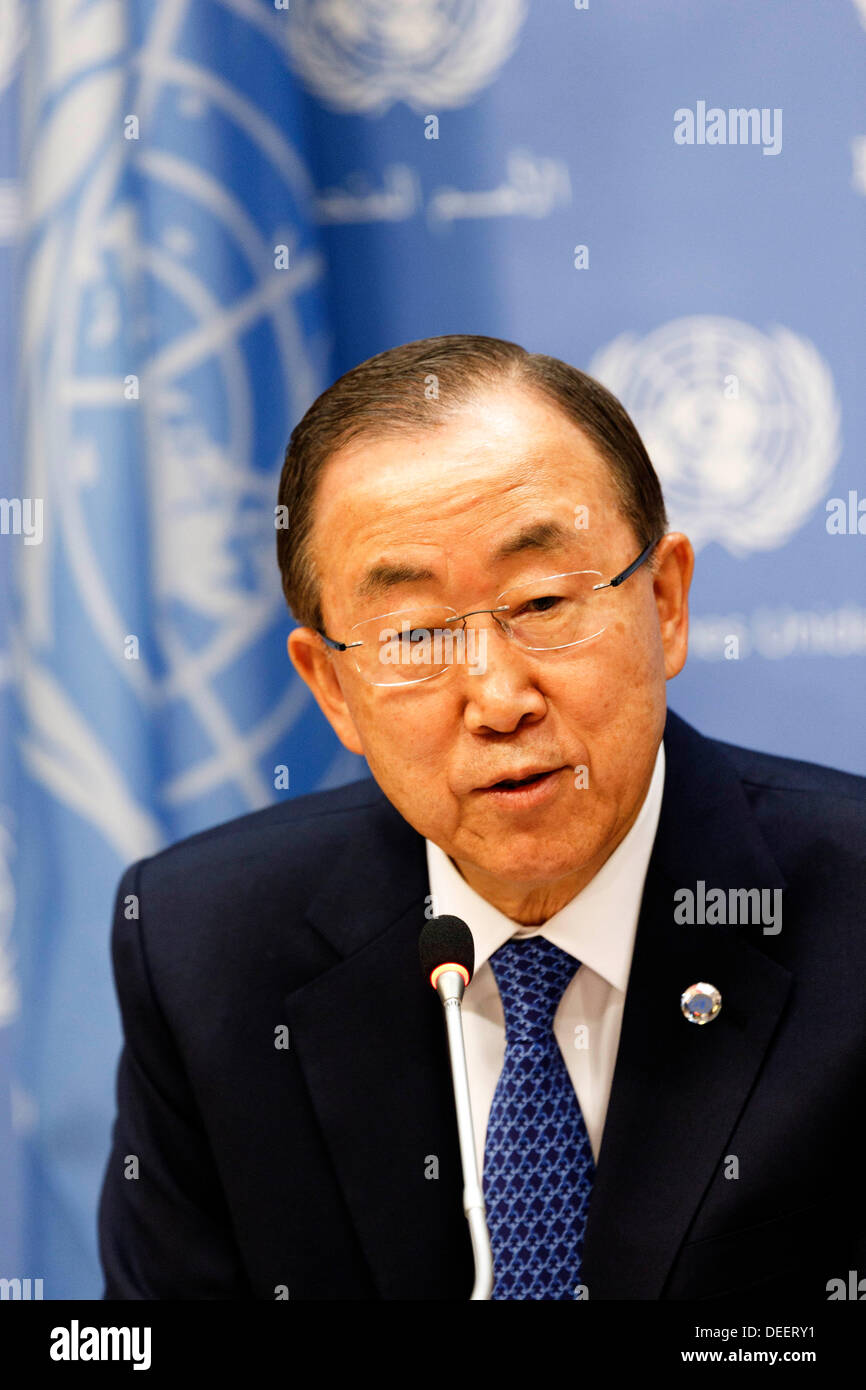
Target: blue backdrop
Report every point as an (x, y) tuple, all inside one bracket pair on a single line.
[(209, 209)]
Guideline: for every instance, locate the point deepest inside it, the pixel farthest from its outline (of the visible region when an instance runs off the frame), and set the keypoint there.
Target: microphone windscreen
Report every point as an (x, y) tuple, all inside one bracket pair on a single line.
[(446, 941)]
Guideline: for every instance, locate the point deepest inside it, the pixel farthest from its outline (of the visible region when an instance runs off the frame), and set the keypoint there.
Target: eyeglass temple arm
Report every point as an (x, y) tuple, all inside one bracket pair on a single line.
[(338, 646), (630, 569)]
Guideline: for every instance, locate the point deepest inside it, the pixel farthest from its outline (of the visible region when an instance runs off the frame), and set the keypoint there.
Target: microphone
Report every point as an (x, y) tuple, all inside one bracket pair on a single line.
[(447, 954)]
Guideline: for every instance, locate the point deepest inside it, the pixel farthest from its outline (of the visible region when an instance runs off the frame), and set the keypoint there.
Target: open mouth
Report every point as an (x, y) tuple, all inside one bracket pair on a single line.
[(508, 783), (524, 793)]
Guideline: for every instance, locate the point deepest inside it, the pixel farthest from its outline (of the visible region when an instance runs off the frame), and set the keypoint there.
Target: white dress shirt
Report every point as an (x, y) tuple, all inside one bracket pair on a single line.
[(598, 928)]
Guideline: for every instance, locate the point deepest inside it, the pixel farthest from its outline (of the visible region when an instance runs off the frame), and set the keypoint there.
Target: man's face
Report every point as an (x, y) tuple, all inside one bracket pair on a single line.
[(448, 501)]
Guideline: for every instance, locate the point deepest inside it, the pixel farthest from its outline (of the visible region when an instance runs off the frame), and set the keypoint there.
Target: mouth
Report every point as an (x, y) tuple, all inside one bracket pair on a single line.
[(526, 791), (526, 780), (509, 783)]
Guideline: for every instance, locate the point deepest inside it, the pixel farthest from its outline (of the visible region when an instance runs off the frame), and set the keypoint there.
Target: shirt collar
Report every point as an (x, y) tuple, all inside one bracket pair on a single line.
[(597, 926)]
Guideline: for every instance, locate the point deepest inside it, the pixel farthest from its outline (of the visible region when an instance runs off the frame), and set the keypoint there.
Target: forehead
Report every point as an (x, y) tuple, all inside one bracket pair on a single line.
[(457, 490)]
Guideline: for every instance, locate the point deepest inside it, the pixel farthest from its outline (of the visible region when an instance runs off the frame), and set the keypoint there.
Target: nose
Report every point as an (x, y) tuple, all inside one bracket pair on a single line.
[(499, 689)]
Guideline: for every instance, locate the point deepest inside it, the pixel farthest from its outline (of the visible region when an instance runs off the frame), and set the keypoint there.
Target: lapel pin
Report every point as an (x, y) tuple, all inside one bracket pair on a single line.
[(701, 1002)]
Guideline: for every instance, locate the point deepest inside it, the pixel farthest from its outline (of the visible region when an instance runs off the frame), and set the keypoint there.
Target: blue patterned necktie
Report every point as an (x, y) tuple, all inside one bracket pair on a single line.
[(538, 1164)]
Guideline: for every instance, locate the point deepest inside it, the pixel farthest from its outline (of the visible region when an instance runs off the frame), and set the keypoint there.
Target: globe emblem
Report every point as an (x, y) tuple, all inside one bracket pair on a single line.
[(364, 55), (742, 426), (156, 425)]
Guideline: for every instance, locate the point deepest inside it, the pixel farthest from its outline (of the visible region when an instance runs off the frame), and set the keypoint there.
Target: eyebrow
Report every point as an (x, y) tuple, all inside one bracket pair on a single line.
[(541, 535), (381, 578)]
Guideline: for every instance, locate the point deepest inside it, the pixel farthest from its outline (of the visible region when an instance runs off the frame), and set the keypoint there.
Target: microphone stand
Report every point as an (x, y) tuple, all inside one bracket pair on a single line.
[(450, 987)]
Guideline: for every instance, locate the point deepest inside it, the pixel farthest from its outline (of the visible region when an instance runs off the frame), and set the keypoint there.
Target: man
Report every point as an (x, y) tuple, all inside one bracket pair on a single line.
[(665, 1028)]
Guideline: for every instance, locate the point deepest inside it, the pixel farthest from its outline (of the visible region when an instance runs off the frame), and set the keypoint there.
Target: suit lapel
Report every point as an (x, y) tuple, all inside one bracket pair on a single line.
[(370, 1039), (678, 1088)]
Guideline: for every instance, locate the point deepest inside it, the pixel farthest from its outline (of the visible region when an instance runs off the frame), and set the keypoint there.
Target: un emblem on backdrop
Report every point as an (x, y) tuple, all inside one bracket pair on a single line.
[(188, 345), (364, 55), (742, 426)]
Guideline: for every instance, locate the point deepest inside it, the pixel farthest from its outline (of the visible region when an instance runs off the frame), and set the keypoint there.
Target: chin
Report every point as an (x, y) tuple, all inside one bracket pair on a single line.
[(530, 868)]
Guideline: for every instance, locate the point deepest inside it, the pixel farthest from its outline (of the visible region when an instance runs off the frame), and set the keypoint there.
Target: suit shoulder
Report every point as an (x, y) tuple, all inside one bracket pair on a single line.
[(776, 773), (322, 811), (230, 896)]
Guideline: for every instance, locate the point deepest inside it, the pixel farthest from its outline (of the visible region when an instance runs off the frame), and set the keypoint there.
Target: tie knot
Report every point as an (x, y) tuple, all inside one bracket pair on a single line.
[(532, 976)]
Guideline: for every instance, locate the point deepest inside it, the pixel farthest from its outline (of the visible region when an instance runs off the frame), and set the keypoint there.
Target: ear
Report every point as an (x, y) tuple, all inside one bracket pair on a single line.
[(672, 576), (313, 661)]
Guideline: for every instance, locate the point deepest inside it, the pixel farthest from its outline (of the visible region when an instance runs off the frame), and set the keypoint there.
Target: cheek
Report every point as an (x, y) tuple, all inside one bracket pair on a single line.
[(637, 655), (406, 734), (606, 704), (635, 708)]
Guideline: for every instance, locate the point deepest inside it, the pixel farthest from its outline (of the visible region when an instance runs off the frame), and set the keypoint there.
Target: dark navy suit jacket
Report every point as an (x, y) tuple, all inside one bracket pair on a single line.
[(265, 1169)]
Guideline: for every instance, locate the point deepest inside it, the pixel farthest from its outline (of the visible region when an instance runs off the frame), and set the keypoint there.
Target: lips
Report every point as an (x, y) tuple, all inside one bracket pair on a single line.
[(519, 779)]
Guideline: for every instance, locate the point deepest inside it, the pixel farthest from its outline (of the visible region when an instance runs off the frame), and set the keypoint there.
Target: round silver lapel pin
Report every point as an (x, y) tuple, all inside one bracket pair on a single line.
[(700, 1002)]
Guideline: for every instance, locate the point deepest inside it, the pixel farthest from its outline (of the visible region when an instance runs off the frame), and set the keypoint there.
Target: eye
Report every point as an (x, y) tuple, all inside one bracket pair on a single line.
[(543, 604)]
